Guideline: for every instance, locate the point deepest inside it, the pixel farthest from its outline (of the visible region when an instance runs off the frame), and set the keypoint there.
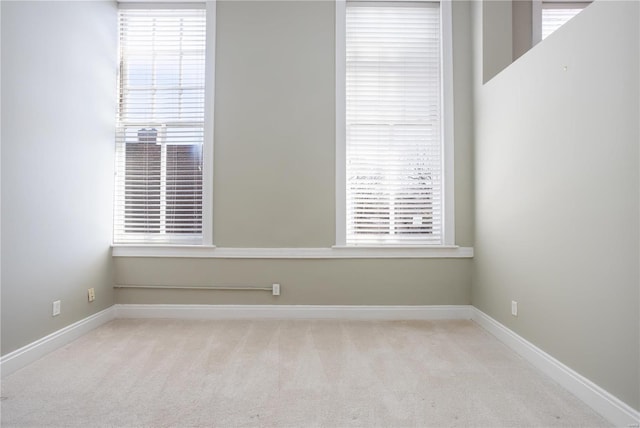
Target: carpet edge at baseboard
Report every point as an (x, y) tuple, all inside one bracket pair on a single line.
[(27, 354), (603, 402)]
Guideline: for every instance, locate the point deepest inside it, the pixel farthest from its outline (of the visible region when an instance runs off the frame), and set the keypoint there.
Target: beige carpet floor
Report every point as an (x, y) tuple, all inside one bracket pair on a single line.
[(183, 373)]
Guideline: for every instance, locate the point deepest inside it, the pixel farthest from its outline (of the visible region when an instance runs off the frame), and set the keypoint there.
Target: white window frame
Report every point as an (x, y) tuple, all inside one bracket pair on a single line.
[(448, 215), (207, 149)]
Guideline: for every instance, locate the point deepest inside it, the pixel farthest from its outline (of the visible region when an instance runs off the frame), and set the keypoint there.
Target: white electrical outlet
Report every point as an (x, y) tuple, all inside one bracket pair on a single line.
[(91, 294), (275, 289), (514, 308), (56, 308)]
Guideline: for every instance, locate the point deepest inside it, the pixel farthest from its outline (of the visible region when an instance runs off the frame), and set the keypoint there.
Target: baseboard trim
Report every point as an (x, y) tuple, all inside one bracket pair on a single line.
[(603, 402), (295, 312), (27, 354)]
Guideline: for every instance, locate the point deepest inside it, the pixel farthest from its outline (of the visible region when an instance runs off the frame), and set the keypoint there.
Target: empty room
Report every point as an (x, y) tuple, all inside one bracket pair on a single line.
[(331, 213)]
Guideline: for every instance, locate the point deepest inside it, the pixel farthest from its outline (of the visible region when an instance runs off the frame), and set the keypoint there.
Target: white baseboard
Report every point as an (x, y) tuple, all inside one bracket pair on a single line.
[(603, 402), (27, 354), (438, 312)]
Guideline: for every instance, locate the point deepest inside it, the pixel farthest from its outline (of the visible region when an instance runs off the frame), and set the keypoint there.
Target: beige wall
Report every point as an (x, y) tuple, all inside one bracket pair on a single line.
[(303, 282), (496, 36), (274, 175), (275, 125), (58, 104), (521, 27), (557, 195)]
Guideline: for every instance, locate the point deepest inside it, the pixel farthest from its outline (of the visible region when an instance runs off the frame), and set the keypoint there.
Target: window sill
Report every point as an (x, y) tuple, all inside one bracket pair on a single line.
[(336, 252)]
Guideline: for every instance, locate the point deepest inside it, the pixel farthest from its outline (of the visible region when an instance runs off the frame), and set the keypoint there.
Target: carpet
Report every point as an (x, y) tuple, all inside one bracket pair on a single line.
[(289, 373)]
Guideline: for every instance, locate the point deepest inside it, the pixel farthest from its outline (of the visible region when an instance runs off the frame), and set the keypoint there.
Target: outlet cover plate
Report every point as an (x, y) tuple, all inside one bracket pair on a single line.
[(56, 308)]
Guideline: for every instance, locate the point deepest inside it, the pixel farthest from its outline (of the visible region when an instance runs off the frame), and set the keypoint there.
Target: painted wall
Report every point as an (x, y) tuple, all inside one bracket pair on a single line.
[(557, 195), (521, 26), (496, 36), (274, 173), (58, 112)]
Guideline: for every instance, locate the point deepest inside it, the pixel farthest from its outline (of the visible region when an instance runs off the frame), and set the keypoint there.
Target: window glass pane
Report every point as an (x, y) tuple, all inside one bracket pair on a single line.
[(142, 182), (554, 18), (184, 187), (393, 113), (160, 136)]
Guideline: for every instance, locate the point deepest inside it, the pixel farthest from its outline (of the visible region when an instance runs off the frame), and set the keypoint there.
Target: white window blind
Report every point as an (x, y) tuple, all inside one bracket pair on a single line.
[(160, 126), (555, 15), (394, 150)]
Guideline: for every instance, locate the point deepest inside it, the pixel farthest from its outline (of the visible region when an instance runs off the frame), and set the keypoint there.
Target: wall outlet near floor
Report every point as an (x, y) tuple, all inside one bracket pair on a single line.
[(56, 308), (514, 308), (91, 294), (275, 289)]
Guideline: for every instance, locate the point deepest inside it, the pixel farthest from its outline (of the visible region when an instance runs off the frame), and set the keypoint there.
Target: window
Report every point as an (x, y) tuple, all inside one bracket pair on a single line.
[(549, 15), (555, 15), (161, 155), (394, 170)]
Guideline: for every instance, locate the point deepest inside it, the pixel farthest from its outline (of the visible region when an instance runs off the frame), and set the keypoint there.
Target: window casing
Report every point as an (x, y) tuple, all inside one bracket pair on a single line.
[(394, 124), (163, 138)]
